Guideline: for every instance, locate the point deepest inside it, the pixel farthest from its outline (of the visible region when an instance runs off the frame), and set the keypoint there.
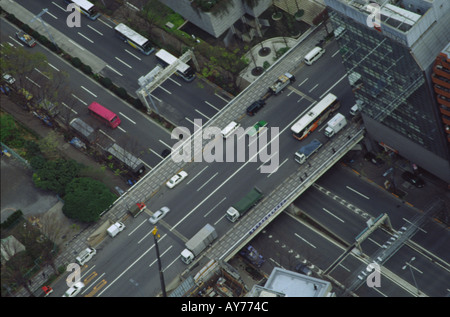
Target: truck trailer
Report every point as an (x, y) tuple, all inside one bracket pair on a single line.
[(245, 204), (336, 124), (198, 243), (306, 151)]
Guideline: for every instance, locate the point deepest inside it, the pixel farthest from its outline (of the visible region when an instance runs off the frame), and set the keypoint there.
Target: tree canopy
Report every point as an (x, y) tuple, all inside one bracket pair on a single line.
[(86, 199), (55, 175)]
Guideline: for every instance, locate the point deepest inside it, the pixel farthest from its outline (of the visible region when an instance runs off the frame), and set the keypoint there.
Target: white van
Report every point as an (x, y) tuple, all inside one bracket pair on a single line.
[(86, 255), (356, 107), (229, 129), (314, 55)]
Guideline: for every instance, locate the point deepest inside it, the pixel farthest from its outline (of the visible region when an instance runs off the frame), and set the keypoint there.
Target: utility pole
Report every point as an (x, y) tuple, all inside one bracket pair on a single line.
[(161, 276), (39, 17), (412, 273)]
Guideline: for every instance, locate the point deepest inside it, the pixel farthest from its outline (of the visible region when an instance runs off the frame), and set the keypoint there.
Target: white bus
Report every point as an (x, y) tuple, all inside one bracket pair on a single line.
[(134, 39), (184, 70), (315, 116), (85, 7)]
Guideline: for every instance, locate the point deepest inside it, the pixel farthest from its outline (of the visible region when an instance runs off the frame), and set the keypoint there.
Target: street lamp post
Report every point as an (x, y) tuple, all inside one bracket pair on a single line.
[(161, 276), (412, 273)]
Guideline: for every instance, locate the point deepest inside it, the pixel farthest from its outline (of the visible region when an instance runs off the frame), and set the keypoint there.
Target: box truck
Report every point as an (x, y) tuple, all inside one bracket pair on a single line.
[(198, 243), (245, 204), (335, 125), (115, 229)]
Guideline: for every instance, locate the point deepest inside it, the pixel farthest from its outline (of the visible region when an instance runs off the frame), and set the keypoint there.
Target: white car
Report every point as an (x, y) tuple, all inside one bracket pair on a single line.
[(74, 290), (9, 79), (159, 215), (175, 180)]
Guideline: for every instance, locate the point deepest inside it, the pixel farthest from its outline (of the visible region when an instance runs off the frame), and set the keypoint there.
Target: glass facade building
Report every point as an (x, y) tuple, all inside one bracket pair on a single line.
[(392, 45)]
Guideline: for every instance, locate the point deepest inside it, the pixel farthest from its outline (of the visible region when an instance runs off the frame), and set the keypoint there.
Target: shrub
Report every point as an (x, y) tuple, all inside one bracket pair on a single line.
[(86, 199), (106, 82), (76, 62), (86, 69), (121, 92)]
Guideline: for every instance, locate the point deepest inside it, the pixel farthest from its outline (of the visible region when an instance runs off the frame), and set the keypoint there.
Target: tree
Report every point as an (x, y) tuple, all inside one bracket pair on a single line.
[(86, 199), (49, 145), (55, 175), (222, 59), (8, 129)]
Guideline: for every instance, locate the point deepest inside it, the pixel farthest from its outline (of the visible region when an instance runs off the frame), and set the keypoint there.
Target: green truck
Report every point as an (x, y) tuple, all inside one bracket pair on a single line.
[(245, 204)]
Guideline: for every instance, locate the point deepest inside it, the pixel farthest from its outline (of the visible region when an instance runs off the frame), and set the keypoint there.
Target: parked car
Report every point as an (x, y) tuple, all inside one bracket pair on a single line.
[(159, 215), (166, 153), (176, 179), (303, 269), (257, 128), (9, 79), (74, 290), (372, 158), (255, 107), (413, 179)]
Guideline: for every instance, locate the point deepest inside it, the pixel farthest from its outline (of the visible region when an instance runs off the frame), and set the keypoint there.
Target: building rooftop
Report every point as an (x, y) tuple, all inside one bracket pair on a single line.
[(286, 283)]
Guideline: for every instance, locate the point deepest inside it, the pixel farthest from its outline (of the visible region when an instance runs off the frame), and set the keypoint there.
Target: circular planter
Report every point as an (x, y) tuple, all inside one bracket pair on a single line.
[(264, 51), (257, 71), (298, 15)]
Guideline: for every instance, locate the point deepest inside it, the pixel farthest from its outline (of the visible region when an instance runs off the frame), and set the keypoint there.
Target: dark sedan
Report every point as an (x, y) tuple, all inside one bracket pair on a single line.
[(413, 179)]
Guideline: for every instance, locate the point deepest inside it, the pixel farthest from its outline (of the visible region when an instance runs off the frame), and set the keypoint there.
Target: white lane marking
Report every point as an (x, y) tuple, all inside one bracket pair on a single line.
[(89, 91), (330, 213), (306, 241), (197, 175), (357, 192), (127, 118), (85, 37), (217, 173), (123, 62), (95, 30)]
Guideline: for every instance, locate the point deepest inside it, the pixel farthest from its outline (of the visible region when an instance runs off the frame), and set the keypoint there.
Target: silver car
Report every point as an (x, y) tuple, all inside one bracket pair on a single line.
[(159, 215), (74, 290)]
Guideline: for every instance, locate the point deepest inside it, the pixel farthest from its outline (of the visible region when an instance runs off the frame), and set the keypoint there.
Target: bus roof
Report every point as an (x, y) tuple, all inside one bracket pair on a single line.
[(131, 34), (102, 111), (313, 113), (84, 4), (166, 56)]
